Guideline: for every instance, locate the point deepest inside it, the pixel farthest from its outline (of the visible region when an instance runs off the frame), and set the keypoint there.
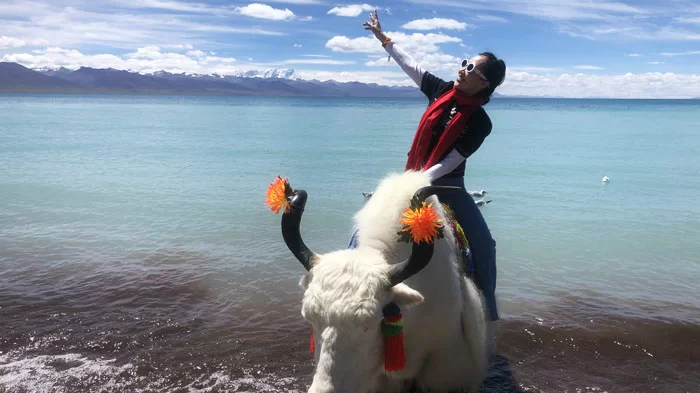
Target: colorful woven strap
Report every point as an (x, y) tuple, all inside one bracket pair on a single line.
[(462, 241)]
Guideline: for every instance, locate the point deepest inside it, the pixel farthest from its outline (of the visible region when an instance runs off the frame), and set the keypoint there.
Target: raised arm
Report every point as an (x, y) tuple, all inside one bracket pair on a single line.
[(431, 85), (403, 59), (409, 65)]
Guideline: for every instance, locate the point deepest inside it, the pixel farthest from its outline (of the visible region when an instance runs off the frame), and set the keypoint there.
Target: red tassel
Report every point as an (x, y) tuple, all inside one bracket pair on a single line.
[(312, 346), (394, 356), (392, 330)]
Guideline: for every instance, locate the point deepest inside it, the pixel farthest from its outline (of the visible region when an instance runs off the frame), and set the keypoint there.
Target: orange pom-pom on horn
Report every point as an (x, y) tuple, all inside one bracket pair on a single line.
[(277, 194), (422, 223)]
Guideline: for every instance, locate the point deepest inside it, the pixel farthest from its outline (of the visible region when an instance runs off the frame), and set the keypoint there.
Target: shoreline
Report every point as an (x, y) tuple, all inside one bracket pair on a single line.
[(168, 329), (531, 357)]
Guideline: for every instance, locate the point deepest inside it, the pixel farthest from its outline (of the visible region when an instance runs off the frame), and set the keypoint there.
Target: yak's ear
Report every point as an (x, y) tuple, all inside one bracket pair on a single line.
[(304, 282), (405, 297)]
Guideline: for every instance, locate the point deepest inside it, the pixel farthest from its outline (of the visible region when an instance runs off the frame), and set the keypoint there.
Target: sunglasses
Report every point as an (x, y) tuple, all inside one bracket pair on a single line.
[(470, 67)]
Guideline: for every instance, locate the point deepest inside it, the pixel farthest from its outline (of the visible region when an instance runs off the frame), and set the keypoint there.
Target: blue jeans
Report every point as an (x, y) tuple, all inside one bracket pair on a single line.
[(483, 247)]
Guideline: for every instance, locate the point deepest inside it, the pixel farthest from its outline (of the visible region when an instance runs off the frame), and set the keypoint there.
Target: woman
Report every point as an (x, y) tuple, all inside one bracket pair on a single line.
[(451, 130)]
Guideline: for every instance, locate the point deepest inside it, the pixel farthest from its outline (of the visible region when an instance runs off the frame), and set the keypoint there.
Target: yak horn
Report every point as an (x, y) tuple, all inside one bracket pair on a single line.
[(291, 221), (422, 252)]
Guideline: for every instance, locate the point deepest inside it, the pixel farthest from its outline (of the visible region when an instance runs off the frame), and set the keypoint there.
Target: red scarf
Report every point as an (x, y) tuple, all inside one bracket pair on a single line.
[(418, 155)]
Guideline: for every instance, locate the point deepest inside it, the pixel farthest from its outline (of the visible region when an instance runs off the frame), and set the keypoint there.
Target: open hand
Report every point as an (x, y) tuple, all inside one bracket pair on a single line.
[(374, 25)]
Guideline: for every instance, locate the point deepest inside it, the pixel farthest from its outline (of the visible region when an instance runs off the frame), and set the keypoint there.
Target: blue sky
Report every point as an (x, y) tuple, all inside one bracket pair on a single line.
[(575, 48)]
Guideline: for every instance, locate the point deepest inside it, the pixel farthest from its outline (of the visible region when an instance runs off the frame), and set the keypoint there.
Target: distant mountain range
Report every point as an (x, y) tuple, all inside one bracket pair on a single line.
[(17, 78)]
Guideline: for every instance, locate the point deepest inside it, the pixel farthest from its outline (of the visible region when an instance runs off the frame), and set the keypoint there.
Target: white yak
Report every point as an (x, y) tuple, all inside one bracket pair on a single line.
[(444, 315)]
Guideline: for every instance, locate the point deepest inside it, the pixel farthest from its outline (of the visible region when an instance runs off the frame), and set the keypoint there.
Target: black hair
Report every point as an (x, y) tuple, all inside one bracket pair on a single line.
[(495, 71)]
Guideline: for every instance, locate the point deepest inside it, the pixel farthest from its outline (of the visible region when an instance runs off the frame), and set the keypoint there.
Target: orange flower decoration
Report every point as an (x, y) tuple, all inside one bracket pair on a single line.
[(277, 193), (422, 222)]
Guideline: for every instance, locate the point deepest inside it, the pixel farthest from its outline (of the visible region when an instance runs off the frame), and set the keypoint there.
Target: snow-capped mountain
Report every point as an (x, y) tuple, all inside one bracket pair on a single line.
[(278, 82)]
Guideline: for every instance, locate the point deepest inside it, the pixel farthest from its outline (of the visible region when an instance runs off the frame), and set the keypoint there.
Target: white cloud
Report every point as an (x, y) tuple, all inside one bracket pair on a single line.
[(297, 45), (435, 62), (416, 43), (380, 62), (694, 20), (302, 2), (59, 57), (171, 5), (50, 25), (264, 11), (688, 53), (545, 9), (316, 61), (620, 32), (317, 56), (361, 44), (491, 18), (351, 10), (234, 30), (423, 47), (434, 24), (633, 55), (647, 85), (178, 46), (673, 34), (533, 69), (588, 67), (14, 42), (145, 60), (19, 9), (385, 78), (11, 42), (441, 62), (595, 19), (617, 30), (147, 52), (196, 53), (656, 62)]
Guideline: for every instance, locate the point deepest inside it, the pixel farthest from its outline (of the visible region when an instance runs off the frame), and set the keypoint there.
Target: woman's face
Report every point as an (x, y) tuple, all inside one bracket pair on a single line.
[(471, 83)]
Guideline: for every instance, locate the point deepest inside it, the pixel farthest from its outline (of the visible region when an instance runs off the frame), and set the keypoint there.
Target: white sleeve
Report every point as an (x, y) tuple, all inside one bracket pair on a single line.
[(406, 62), (447, 165)]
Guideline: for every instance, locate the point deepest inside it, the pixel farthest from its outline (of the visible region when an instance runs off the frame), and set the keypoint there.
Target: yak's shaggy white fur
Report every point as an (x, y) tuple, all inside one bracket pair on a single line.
[(445, 327)]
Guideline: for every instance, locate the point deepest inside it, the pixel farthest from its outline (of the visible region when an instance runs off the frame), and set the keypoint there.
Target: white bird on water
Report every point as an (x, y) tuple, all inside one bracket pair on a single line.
[(478, 193), (482, 202), (606, 179)]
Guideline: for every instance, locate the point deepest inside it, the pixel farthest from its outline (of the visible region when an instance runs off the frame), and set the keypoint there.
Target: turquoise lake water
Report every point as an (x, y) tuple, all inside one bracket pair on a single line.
[(122, 185)]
